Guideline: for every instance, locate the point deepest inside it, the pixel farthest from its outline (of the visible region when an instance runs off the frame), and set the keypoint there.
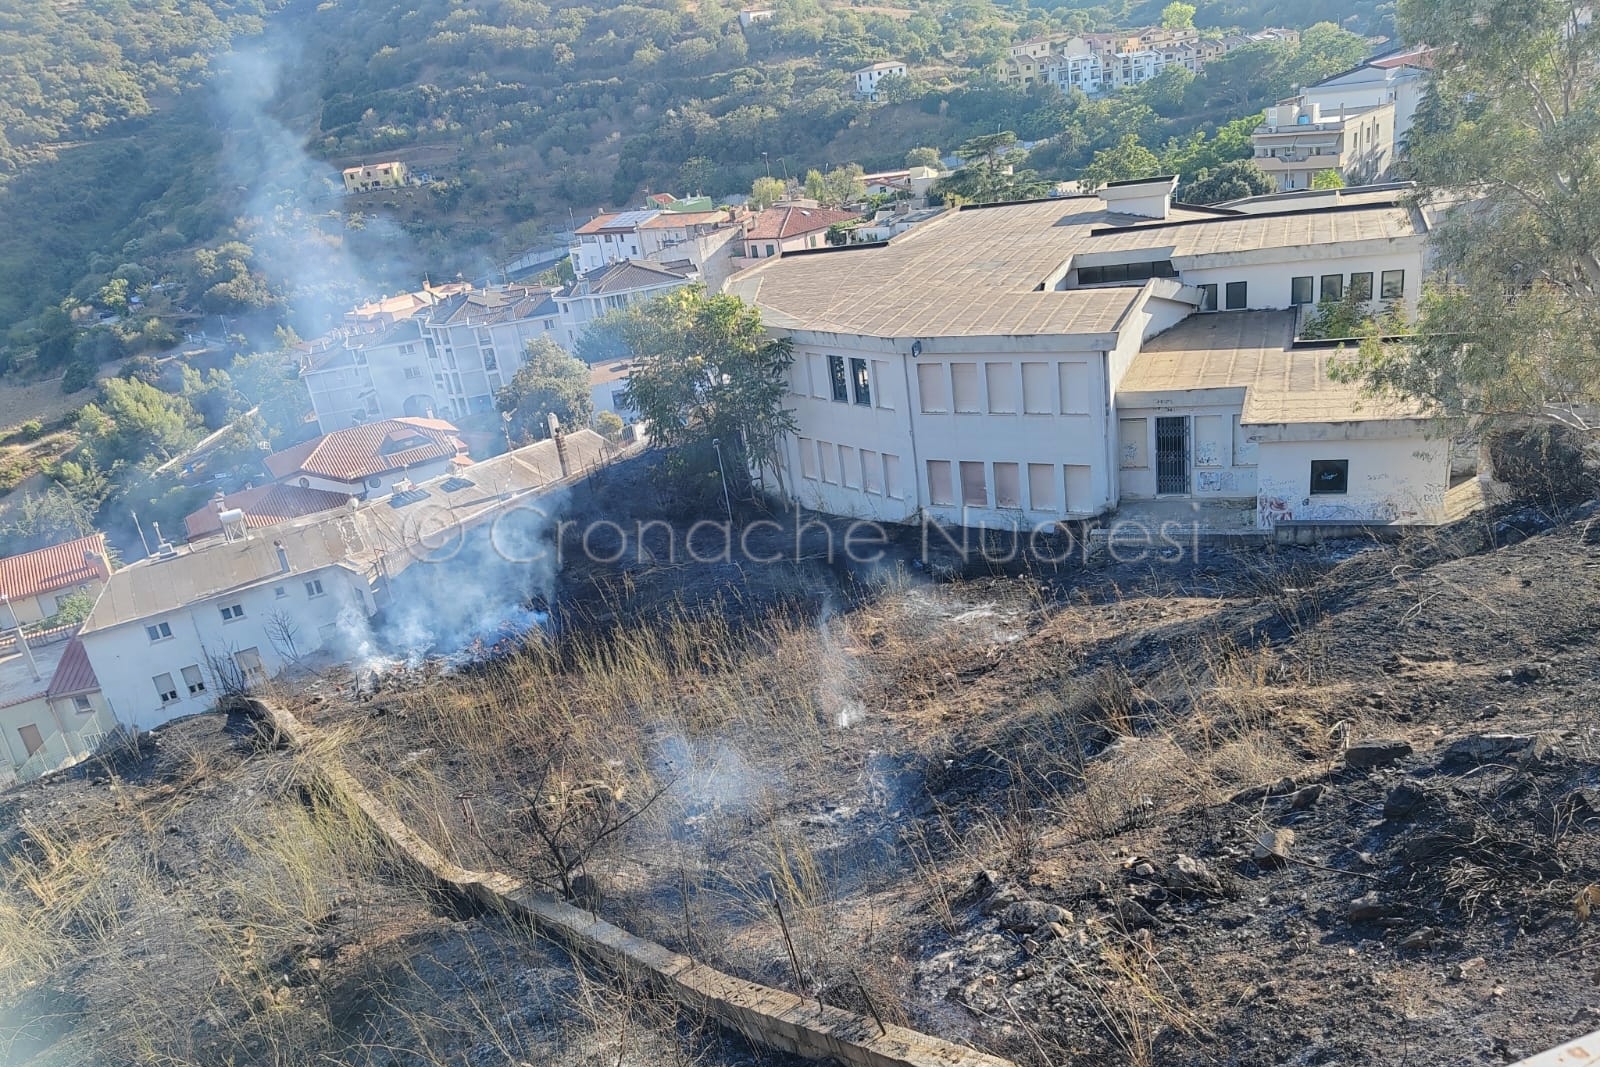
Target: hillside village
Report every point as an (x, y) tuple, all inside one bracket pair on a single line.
[(941, 615)]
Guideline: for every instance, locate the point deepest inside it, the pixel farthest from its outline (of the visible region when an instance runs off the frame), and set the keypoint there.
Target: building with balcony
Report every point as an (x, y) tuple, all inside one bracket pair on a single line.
[(367, 177), (1299, 140)]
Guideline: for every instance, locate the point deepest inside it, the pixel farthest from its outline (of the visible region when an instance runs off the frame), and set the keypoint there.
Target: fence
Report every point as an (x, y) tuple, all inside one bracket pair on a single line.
[(61, 750)]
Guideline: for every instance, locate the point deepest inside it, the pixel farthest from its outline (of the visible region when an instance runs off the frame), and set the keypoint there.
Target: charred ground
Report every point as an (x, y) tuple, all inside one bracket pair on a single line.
[(1310, 806)]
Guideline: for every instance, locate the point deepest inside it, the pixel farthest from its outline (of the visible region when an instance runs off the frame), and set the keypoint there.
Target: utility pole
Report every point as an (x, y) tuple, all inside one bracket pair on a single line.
[(716, 443)]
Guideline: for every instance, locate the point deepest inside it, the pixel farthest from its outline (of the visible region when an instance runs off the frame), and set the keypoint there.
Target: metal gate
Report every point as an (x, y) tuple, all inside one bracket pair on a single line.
[(1172, 455)]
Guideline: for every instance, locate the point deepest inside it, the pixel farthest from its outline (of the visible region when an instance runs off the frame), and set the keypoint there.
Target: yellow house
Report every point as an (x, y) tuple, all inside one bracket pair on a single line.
[(34, 584), (52, 712), (370, 176)]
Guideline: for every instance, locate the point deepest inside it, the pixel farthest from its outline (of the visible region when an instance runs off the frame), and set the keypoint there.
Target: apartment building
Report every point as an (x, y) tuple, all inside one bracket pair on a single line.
[(867, 78), (1298, 140), (1032, 363)]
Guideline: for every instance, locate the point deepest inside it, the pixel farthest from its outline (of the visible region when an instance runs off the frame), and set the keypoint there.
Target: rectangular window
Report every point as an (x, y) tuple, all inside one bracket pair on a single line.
[(314, 587), (1333, 287), (974, 485), (81, 705), (159, 632), (886, 393), (772, 250), (1042, 486), (1002, 380), (1238, 296), (817, 373), (940, 489), (861, 382), (1300, 290), (1394, 284), (1075, 388), (1007, 485), (232, 611), (840, 386), (1361, 286), (1208, 297), (808, 457), (933, 391), (1038, 396), (1078, 481), (827, 456), (165, 688), (1330, 476), (891, 477), (191, 678), (249, 663), (964, 384), (871, 471), (413, 372), (280, 591), (849, 467)]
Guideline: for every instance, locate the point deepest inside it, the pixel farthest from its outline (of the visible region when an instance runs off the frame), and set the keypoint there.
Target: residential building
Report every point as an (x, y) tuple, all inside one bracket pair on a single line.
[(1399, 77), (52, 710), (1101, 62), (173, 631), (792, 229), (1299, 140), (606, 382), (616, 286), (1032, 363), (867, 78), (33, 585), (889, 222), (370, 460), (669, 232), (445, 360), (1080, 70), (364, 178), (749, 16)]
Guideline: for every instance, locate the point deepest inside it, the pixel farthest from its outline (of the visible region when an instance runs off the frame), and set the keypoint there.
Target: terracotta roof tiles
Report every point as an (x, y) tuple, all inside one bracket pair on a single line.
[(57, 567)]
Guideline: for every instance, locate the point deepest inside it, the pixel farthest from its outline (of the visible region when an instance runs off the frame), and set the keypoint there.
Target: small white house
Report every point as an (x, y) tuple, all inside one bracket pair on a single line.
[(867, 78)]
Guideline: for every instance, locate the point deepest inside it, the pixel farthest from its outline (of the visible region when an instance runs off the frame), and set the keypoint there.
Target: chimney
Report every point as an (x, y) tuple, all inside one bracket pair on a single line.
[(561, 442), (283, 557), (1149, 198)]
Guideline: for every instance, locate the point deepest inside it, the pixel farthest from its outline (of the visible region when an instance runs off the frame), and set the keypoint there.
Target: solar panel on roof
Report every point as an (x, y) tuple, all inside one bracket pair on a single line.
[(410, 496), (456, 484)]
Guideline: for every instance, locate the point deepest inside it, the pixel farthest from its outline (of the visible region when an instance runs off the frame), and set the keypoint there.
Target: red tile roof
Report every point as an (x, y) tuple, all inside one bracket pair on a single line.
[(779, 223), (73, 673), (264, 505), (57, 567), (355, 453)]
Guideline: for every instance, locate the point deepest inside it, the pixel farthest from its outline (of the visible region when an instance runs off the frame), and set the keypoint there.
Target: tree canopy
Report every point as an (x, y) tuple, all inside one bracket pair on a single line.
[(1127, 159), (1234, 180), (550, 383), (1511, 322)]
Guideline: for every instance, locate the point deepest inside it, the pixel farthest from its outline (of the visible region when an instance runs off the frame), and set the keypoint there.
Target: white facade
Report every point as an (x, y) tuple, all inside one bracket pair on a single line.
[(1017, 424), (1082, 72), (1299, 140), (196, 650), (867, 78)]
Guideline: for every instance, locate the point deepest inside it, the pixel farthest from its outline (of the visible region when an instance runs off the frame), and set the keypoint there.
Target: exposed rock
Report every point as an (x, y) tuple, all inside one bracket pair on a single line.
[(1419, 939), (1498, 748), (1026, 916), (1459, 971), (1190, 877), (1375, 752), (1257, 793), (982, 886), (1405, 800), (1579, 806), (1523, 674), (1303, 799), (1370, 907), (1001, 899), (1272, 845)]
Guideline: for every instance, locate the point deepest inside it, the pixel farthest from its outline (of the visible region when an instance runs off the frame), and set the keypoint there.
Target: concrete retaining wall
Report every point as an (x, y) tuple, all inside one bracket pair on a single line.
[(770, 1017)]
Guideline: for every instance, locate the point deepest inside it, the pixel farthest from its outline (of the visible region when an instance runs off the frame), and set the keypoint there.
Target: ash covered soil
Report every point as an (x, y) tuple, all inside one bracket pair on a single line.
[(1335, 805)]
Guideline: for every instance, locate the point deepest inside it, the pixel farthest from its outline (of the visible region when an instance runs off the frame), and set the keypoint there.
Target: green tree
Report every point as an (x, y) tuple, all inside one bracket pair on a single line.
[(838, 187), (551, 382), (608, 424), (132, 420), (990, 174), (1327, 179), (1178, 16), (764, 192), (1510, 324), (1231, 181), (270, 383), (707, 371), (924, 157), (1128, 159)]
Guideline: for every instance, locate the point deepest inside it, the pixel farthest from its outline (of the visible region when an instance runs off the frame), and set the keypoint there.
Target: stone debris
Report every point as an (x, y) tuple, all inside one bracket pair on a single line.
[(1375, 752)]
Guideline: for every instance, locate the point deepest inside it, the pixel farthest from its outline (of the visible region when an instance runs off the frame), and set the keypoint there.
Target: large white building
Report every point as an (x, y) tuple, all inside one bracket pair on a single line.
[(1037, 362)]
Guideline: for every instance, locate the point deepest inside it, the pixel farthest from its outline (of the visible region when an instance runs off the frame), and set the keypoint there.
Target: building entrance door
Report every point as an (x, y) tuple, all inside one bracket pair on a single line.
[(1172, 455)]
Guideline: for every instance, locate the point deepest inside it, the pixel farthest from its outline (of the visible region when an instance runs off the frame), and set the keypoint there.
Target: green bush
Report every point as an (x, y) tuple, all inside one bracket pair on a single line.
[(80, 375)]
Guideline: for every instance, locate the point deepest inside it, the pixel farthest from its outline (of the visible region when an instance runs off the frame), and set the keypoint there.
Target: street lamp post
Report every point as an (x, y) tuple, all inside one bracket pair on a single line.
[(716, 443)]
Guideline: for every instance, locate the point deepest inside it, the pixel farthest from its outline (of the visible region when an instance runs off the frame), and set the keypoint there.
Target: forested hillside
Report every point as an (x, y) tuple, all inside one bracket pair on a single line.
[(151, 178)]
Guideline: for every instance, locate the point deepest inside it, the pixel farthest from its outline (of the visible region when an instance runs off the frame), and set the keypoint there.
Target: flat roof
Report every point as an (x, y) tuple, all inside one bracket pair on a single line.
[(1251, 351), (17, 683), (982, 272)]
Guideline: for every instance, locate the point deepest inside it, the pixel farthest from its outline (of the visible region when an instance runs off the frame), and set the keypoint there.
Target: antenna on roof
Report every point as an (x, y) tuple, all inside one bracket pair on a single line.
[(140, 528)]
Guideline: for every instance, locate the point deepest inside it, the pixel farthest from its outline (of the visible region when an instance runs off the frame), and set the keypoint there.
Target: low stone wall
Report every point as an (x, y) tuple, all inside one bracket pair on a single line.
[(770, 1017)]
